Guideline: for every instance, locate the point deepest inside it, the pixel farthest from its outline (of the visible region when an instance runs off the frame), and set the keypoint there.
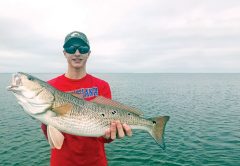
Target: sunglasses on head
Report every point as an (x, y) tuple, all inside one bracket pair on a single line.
[(73, 49)]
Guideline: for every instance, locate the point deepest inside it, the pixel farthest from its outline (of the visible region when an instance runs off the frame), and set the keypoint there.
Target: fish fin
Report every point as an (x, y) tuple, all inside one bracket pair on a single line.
[(63, 109), (50, 140), (109, 102), (55, 137), (78, 95), (157, 132)]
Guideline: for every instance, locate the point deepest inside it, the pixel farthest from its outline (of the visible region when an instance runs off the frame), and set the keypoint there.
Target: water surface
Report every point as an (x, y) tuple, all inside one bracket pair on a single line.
[(204, 128)]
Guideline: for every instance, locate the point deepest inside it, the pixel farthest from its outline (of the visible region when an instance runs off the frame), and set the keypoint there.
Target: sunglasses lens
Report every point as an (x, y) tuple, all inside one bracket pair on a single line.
[(71, 49), (83, 49)]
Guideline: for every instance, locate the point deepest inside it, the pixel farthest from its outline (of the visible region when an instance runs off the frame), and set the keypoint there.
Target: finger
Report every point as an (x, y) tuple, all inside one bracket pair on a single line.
[(120, 131), (127, 130), (107, 134), (113, 130)]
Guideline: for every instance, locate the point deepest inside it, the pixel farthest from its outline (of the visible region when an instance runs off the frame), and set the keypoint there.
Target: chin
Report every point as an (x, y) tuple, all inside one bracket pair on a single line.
[(78, 66)]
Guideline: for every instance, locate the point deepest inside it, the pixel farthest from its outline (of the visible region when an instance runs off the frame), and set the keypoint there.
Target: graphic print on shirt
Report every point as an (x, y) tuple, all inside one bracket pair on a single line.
[(86, 92)]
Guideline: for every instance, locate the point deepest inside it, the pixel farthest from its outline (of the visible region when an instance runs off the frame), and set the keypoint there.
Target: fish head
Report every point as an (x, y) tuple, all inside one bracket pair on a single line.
[(33, 94)]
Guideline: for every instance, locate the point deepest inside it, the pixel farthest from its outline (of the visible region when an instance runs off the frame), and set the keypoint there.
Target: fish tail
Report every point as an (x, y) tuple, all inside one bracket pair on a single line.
[(157, 132)]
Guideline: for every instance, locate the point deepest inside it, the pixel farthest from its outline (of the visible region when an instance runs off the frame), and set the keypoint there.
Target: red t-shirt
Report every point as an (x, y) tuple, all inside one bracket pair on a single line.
[(77, 150)]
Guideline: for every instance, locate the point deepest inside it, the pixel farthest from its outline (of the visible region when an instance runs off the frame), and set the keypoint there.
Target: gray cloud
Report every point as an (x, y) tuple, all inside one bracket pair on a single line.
[(20, 37), (126, 36)]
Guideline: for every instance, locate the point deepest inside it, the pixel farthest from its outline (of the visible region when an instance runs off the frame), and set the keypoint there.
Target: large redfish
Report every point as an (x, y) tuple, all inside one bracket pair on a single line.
[(67, 113)]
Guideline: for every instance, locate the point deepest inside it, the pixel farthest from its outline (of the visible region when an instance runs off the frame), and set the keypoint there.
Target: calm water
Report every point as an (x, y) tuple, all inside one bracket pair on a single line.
[(204, 128)]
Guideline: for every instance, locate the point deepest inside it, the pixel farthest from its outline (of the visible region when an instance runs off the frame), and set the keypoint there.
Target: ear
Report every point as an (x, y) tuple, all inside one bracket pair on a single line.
[(89, 53), (65, 54)]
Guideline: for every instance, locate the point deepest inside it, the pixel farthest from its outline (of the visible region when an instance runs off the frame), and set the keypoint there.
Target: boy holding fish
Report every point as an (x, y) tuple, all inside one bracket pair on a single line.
[(78, 150)]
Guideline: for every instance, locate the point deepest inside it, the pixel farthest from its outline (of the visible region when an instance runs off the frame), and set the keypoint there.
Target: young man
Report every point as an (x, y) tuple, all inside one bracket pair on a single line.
[(77, 150)]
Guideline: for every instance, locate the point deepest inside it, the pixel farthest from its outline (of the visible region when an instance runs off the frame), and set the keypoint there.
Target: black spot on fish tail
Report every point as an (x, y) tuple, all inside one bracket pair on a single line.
[(30, 78), (158, 128)]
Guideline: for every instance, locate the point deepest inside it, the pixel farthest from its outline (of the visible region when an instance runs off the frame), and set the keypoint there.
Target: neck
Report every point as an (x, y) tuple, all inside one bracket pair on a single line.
[(76, 73)]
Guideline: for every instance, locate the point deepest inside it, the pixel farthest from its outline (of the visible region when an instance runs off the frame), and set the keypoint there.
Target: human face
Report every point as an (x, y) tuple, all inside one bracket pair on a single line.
[(76, 60)]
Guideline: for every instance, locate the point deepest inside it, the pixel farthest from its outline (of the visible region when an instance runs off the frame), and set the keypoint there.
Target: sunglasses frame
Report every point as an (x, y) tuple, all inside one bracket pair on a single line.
[(72, 49)]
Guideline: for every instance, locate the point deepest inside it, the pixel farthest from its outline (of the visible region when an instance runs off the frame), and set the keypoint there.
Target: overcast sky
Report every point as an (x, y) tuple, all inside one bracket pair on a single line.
[(125, 35)]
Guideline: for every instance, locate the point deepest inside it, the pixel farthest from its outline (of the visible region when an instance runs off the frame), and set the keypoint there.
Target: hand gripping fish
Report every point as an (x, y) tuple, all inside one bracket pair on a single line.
[(64, 112)]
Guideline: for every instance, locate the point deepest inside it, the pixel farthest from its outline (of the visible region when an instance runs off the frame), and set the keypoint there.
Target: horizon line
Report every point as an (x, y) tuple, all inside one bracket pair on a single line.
[(131, 72)]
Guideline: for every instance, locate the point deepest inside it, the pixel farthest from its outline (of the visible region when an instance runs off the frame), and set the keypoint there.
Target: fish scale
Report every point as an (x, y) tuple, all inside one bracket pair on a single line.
[(90, 112)]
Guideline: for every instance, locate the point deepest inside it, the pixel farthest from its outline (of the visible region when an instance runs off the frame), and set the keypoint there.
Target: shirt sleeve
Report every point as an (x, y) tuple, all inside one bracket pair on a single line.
[(106, 91)]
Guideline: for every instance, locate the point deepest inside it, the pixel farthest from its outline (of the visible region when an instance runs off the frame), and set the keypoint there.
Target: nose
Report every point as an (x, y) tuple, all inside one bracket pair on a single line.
[(77, 53)]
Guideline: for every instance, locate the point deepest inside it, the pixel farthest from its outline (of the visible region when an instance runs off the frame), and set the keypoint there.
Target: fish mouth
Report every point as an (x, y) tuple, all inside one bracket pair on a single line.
[(16, 82)]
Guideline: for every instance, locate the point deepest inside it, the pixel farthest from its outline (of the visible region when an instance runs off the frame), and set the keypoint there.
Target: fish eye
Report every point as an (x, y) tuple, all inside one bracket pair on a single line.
[(30, 78)]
